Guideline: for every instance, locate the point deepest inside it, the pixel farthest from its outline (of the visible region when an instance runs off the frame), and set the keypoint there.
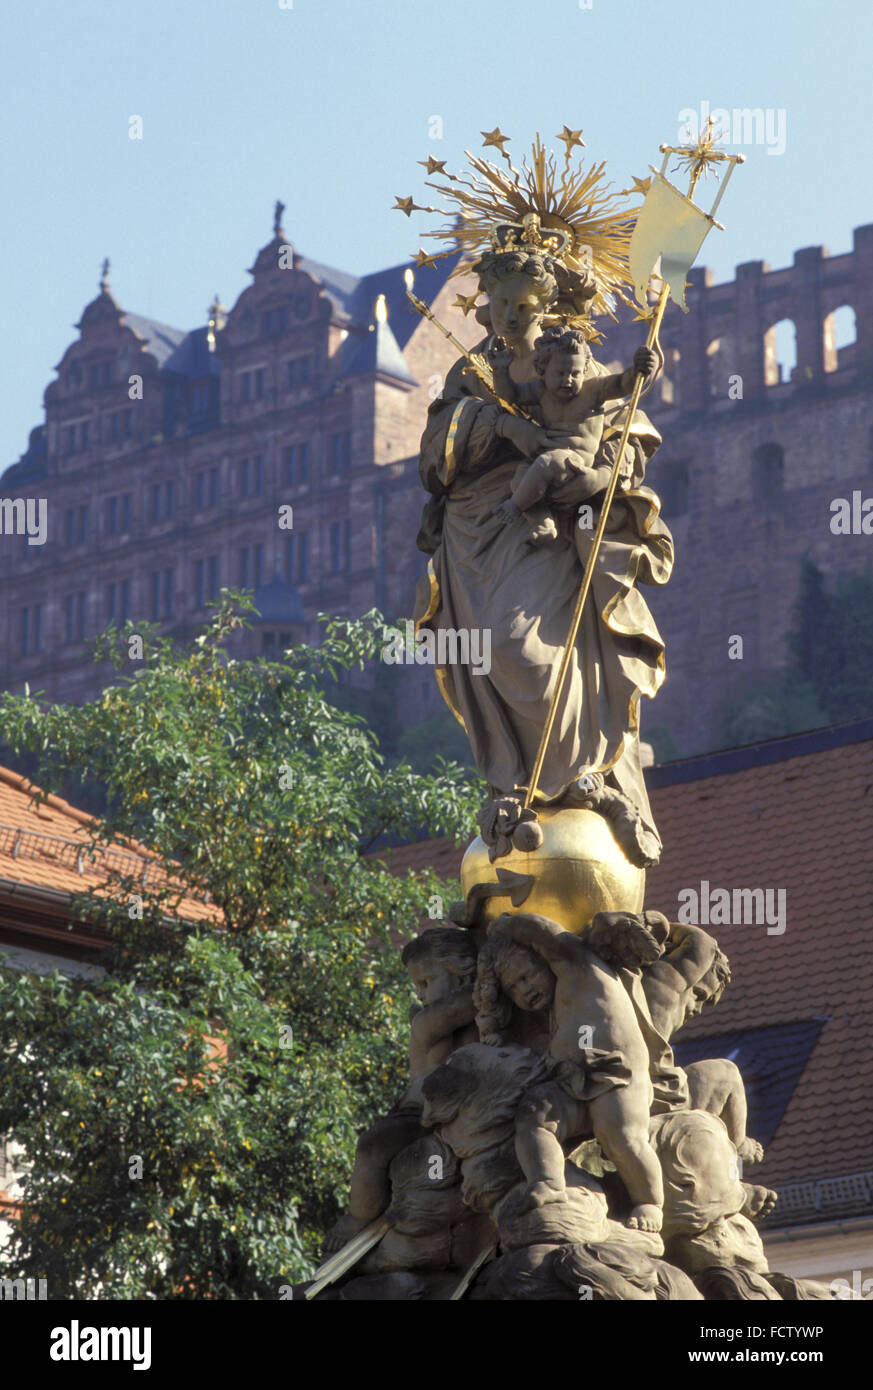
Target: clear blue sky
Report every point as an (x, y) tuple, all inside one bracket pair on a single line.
[(326, 105)]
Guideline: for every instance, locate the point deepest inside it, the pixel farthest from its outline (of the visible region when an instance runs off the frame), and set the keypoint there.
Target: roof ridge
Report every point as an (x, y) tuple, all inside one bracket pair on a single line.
[(705, 765)]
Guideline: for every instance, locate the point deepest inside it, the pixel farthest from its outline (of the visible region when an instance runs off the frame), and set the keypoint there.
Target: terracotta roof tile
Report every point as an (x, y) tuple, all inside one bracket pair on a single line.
[(46, 846)]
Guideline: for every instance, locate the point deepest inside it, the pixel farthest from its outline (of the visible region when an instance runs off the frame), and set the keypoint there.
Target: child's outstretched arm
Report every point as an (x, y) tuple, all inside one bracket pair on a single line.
[(622, 383), (435, 1023), (541, 934), (690, 951)]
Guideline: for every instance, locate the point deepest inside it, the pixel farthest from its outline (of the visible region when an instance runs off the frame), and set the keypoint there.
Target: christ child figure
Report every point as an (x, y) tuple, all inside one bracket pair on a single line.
[(442, 966), (569, 403), (600, 1083)]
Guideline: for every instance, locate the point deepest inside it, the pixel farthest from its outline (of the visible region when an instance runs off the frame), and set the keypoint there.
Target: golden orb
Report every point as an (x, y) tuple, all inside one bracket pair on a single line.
[(578, 871)]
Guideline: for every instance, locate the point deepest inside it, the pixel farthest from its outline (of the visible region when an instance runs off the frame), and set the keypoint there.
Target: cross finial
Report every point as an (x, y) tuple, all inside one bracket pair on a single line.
[(104, 276), (277, 218)]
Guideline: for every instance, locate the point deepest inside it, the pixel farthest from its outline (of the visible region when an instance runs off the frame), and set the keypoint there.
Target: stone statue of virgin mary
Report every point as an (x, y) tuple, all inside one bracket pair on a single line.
[(486, 574)]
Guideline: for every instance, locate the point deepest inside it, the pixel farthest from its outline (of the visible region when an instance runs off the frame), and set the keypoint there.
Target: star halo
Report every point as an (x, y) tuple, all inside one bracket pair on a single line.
[(576, 200)]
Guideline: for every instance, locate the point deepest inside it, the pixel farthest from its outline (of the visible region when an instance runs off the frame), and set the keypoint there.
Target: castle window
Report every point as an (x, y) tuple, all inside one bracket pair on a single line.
[(125, 512), (340, 451), (74, 617), (768, 472), (199, 398), (70, 526), (31, 629), (840, 336), (169, 498), (112, 515), (339, 546), (120, 424), (162, 588), (206, 488), (296, 458), (274, 322), (251, 476), (780, 352), (99, 374), (302, 549)]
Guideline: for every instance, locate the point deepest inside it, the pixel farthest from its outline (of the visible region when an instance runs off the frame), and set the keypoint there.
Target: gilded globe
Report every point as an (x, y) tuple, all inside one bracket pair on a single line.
[(578, 871)]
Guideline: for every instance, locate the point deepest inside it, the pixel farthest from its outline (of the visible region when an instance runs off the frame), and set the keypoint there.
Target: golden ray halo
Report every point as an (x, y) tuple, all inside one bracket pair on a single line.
[(576, 200)]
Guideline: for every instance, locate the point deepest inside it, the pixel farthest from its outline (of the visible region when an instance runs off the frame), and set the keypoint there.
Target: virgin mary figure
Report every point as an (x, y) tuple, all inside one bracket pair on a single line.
[(484, 573)]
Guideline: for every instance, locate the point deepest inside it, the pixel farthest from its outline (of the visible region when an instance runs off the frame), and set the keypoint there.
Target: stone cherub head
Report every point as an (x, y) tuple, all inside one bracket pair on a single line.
[(440, 960), (508, 974)]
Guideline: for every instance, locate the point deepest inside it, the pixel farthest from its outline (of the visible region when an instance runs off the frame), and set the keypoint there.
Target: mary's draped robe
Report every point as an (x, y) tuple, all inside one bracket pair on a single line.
[(483, 575)]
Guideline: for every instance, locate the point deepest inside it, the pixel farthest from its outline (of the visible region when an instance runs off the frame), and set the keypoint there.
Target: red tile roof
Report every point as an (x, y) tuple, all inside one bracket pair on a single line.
[(46, 847)]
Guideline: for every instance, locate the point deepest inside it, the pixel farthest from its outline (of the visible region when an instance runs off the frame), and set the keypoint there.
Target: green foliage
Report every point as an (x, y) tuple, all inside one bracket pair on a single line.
[(262, 798), (773, 708), (829, 678), (664, 746), (441, 736), (832, 643)]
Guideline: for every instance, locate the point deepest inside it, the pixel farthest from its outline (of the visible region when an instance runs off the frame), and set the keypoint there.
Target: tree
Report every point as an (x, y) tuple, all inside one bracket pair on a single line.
[(440, 736), (262, 800), (829, 675)]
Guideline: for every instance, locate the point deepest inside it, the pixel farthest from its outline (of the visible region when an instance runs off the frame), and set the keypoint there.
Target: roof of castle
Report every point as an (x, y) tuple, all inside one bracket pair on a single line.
[(796, 815)]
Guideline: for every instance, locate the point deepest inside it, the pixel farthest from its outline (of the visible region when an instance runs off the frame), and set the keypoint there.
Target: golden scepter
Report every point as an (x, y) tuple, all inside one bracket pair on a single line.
[(672, 226), (477, 362)]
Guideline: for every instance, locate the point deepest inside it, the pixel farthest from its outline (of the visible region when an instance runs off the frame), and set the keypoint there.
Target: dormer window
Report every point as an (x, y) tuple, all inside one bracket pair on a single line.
[(99, 374), (274, 322)]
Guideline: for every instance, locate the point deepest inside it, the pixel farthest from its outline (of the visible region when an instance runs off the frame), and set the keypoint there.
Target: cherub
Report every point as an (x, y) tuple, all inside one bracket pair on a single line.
[(442, 966), (569, 404), (693, 972), (682, 969), (601, 1079)]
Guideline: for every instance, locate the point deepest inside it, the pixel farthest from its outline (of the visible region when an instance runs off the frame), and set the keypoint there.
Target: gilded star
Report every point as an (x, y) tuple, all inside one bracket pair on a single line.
[(403, 205), (640, 186), (423, 259), (570, 138), (494, 137), (433, 166), (465, 302)]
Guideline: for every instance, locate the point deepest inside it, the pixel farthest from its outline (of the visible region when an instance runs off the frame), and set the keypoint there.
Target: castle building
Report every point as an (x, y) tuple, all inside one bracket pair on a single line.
[(261, 451), (276, 447)]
